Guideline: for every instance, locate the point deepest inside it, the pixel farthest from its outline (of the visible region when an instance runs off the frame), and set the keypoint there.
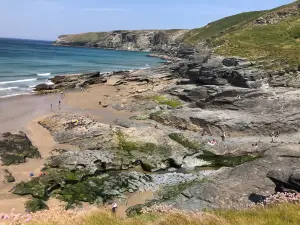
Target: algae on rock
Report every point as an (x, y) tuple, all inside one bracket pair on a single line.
[(163, 100), (35, 205), (215, 160), (15, 148)]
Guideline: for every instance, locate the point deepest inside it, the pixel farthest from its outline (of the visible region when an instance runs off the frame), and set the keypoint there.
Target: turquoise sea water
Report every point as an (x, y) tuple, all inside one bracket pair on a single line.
[(26, 63)]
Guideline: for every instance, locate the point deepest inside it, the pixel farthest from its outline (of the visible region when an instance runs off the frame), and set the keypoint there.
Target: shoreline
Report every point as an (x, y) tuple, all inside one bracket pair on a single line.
[(103, 74), (113, 49)]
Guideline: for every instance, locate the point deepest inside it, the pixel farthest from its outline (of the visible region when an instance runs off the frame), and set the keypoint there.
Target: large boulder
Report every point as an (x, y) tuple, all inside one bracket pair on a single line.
[(16, 148), (43, 87), (286, 179)]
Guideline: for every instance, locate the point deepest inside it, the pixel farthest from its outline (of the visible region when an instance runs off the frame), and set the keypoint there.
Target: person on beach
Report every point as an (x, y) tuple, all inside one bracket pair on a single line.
[(51, 106), (41, 174), (13, 188), (114, 207), (212, 142), (223, 136)]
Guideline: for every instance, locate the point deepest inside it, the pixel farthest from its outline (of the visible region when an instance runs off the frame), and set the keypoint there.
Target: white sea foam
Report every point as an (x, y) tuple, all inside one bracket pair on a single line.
[(17, 94), (44, 74), (18, 81), (49, 82), (8, 88)]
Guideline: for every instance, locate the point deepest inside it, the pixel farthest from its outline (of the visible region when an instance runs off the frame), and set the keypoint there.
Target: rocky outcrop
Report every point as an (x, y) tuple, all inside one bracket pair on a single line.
[(75, 81), (16, 148), (235, 71), (6, 176), (276, 16), (286, 179), (142, 40), (105, 148), (239, 187), (78, 186)]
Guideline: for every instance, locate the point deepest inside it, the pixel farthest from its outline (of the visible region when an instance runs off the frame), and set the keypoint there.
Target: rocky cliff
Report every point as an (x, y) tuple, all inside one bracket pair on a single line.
[(142, 40)]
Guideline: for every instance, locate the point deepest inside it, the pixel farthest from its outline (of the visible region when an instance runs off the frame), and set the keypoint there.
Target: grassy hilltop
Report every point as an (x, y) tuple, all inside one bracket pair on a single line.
[(271, 34)]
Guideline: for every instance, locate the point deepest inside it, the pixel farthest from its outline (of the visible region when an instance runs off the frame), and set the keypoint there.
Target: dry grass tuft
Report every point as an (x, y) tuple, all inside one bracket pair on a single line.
[(287, 214)]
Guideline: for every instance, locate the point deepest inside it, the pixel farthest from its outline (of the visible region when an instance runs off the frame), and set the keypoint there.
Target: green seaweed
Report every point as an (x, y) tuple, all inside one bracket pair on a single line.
[(227, 160), (140, 117), (73, 194), (41, 187), (215, 160), (147, 147), (163, 100), (141, 151), (35, 205), (32, 187), (8, 176), (15, 148)]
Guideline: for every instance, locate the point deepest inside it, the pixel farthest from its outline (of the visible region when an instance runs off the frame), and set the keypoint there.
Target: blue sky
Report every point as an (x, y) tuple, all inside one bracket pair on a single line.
[(46, 19)]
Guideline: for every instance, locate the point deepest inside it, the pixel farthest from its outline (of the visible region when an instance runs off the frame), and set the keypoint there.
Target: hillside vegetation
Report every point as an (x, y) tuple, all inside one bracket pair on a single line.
[(217, 28), (272, 35)]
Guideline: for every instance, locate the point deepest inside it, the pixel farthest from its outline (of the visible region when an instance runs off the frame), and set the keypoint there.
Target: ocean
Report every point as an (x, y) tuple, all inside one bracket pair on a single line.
[(26, 63)]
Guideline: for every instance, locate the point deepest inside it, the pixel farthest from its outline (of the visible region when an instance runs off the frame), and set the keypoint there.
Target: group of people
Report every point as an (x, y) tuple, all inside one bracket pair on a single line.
[(31, 174), (212, 142), (59, 102), (273, 135)]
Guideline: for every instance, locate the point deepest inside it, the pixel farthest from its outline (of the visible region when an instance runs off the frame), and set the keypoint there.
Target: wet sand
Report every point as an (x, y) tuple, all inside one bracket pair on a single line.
[(133, 199), (88, 102)]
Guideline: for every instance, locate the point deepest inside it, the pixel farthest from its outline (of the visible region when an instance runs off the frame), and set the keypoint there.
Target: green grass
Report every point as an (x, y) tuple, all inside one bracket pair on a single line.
[(275, 215), (163, 100), (278, 41), (228, 25), (237, 36), (85, 37), (221, 26), (287, 214)]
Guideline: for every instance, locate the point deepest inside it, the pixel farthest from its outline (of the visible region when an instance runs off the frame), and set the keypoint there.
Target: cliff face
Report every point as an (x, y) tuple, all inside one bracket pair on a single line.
[(143, 40)]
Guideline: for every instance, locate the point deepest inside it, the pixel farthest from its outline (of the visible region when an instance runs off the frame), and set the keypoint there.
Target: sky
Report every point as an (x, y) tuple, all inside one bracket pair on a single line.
[(47, 19)]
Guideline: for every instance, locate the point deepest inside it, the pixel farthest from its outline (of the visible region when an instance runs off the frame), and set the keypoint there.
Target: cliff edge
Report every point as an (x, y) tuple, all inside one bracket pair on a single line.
[(135, 40)]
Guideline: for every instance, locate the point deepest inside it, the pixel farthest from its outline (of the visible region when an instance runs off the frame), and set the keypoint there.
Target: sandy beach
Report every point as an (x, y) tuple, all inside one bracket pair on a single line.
[(22, 113)]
